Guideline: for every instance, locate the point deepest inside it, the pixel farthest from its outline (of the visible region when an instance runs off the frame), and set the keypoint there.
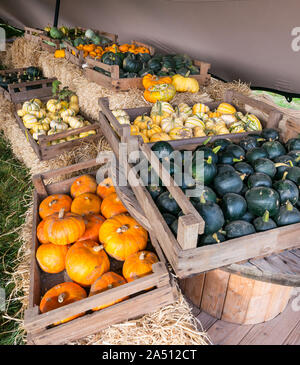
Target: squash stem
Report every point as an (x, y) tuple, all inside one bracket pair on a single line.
[(289, 206), (266, 216), (216, 149), (61, 297)]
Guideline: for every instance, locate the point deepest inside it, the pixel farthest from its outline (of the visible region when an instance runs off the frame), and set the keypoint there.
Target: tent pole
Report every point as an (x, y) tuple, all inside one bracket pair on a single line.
[(57, 5)]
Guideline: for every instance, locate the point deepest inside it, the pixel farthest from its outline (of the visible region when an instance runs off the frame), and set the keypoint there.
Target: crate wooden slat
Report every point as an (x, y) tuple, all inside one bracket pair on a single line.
[(39, 35), (123, 130), (27, 84), (140, 302), (19, 93), (122, 84), (194, 260)]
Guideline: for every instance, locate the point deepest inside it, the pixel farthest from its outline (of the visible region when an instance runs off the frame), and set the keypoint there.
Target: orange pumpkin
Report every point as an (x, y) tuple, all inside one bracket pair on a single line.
[(139, 264), (86, 203), (60, 295), (105, 188), (40, 232), (107, 281), (51, 258), (64, 228), (83, 184), (53, 204), (86, 261), (151, 80), (112, 205), (93, 222), (122, 236)]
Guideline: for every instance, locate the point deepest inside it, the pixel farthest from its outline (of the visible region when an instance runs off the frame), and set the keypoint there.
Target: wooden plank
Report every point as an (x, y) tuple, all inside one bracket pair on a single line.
[(91, 323), (214, 292), (206, 320), (225, 333), (193, 288), (273, 332), (294, 337)]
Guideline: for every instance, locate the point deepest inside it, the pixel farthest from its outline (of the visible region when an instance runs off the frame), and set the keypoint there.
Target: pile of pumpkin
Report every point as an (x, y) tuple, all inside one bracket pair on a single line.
[(249, 187), (81, 233), (15, 77), (97, 52), (166, 122), (137, 62), (52, 117)]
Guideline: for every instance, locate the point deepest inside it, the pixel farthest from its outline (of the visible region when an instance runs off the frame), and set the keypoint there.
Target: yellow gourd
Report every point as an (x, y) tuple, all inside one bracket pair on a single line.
[(185, 83), (181, 132), (225, 108), (200, 108)]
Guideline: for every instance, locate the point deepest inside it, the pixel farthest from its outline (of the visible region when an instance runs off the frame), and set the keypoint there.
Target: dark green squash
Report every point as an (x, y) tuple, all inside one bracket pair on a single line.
[(110, 58), (236, 151), (282, 163), (293, 144), (212, 216), (288, 214), (223, 142), (247, 143), (248, 217), (210, 239), (224, 167), (293, 173), (208, 152), (234, 206), (204, 173), (169, 218), (265, 166), (264, 223), (162, 149), (154, 64), (255, 153), (155, 191), (228, 182), (243, 168), (132, 63), (227, 158), (207, 193), (295, 154), (259, 179), (167, 204), (238, 228), (274, 149), (260, 199), (287, 190), (270, 134)]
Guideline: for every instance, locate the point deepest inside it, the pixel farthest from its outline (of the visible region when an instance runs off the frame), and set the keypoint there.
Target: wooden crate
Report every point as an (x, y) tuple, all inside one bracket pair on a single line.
[(182, 252), (122, 84), (75, 56), (232, 97), (5, 92), (39, 35), (20, 94), (141, 301)]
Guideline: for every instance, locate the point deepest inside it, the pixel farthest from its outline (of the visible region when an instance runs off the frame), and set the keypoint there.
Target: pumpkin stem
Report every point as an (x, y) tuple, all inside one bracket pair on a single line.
[(98, 248), (202, 199), (209, 160), (61, 297), (110, 286), (122, 229), (284, 175), (54, 201), (61, 213), (216, 149), (243, 176), (206, 141), (142, 256), (236, 159), (266, 216), (215, 236), (289, 206), (279, 164)]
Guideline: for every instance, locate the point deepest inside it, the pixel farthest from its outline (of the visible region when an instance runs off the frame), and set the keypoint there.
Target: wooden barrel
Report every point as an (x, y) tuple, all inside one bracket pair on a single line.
[(234, 298)]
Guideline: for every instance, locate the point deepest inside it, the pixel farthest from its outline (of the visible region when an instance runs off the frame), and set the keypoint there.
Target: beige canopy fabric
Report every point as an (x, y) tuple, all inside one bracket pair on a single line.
[(252, 40)]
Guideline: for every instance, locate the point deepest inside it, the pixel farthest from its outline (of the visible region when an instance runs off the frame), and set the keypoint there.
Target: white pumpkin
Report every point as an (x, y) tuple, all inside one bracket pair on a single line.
[(53, 105), (39, 132), (29, 106), (67, 113), (185, 110), (169, 123), (75, 122), (39, 113), (21, 112), (29, 120), (228, 119), (162, 108)]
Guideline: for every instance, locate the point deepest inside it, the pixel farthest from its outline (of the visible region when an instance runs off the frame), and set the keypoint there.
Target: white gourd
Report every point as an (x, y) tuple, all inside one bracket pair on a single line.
[(38, 133), (39, 113), (67, 113), (193, 121), (120, 113), (59, 126), (29, 106), (162, 107), (169, 123), (75, 122), (228, 118), (185, 109), (29, 120), (21, 113)]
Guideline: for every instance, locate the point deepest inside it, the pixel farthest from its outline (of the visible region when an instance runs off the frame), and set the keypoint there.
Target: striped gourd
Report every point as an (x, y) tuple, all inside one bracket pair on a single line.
[(160, 110), (85, 134), (53, 105), (228, 118), (75, 122), (253, 123), (57, 125), (225, 108), (40, 126), (21, 112), (198, 132), (39, 132), (221, 129), (29, 106), (39, 113), (237, 127), (193, 121), (29, 120), (181, 132), (200, 108), (209, 124), (171, 122), (185, 110), (67, 113), (46, 120)]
